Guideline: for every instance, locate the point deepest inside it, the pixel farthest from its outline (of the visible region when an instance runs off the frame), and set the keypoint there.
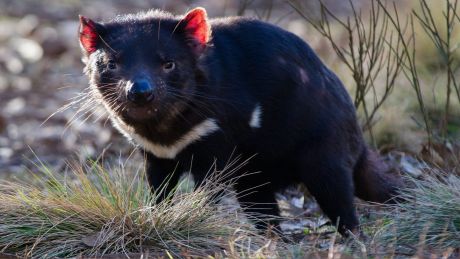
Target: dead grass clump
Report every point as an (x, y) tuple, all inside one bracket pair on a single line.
[(428, 216), (92, 212)]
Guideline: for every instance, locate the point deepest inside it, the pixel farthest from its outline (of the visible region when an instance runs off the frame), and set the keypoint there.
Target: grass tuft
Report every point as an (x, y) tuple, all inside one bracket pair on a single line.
[(92, 212), (428, 215)]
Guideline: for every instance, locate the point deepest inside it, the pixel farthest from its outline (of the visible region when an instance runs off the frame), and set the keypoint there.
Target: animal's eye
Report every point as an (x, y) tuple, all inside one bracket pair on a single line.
[(111, 65), (169, 66)]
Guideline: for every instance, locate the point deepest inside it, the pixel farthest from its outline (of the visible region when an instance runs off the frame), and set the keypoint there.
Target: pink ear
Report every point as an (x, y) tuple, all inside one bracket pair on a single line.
[(89, 36), (197, 26)]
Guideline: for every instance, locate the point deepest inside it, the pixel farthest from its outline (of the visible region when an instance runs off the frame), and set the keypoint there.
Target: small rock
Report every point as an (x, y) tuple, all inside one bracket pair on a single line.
[(410, 166), (87, 151), (14, 65), (13, 134), (29, 49), (104, 136), (6, 153), (407, 163), (27, 25), (7, 29), (297, 202), (14, 106), (21, 83)]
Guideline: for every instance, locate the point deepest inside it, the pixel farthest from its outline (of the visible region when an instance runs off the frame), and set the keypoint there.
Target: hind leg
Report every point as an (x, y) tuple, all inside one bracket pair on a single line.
[(332, 186)]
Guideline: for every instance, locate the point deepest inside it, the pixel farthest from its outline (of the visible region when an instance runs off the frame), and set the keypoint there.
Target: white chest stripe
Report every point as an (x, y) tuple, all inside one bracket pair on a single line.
[(200, 130), (256, 115)]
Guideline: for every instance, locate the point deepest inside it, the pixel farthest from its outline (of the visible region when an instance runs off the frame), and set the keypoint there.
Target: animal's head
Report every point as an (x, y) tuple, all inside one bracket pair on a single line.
[(144, 67)]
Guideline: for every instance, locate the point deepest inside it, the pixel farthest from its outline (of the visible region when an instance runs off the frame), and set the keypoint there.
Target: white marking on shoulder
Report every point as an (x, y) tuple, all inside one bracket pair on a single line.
[(256, 117), (304, 76), (200, 130)]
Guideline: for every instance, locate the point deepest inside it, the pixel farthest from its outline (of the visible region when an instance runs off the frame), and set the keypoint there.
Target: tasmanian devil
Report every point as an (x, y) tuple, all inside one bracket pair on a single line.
[(190, 88)]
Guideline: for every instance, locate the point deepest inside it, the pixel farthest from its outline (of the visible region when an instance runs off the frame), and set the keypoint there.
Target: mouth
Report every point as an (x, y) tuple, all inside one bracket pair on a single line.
[(140, 113)]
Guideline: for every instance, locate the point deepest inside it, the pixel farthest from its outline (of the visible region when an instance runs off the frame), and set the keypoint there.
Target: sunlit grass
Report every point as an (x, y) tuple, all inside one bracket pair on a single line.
[(91, 211)]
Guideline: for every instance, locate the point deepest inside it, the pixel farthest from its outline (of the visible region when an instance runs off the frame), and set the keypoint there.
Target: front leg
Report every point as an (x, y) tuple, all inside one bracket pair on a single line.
[(162, 175)]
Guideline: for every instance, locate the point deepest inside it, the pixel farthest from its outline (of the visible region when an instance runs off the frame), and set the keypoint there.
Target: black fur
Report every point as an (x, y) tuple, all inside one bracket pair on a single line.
[(309, 132)]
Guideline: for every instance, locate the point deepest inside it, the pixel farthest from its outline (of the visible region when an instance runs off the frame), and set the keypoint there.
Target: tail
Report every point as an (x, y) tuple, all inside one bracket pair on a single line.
[(374, 180)]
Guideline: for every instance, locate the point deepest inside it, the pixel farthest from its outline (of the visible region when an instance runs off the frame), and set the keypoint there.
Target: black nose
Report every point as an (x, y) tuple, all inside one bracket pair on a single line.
[(141, 92)]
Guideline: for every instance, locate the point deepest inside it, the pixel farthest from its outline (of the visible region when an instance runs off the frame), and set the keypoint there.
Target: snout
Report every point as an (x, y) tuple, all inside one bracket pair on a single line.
[(141, 91)]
